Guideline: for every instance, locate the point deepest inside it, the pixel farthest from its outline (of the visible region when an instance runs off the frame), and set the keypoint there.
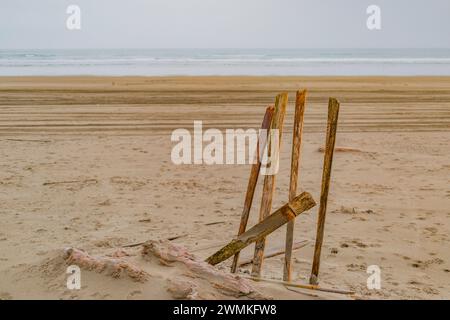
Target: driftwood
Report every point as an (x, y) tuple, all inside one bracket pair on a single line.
[(280, 217), (253, 180), (117, 267), (269, 180), (298, 285), (333, 113), (275, 252), (341, 149), (223, 282), (29, 140), (188, 278), (69, 182), (295, 159), (214, 223)]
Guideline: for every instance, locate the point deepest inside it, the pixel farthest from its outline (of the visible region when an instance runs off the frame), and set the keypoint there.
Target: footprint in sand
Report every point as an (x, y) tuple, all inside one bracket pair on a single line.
[(430, 231), (11, 181), (356, 267), (427, 263), (359, 243), (126, 182), (107, 202)]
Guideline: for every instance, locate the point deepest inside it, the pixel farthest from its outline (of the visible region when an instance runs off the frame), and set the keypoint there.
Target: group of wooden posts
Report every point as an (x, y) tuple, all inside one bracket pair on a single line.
[(273, 119)]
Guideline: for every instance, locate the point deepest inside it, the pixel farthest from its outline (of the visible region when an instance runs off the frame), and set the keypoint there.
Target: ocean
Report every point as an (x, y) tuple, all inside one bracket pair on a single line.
[(164, 62)]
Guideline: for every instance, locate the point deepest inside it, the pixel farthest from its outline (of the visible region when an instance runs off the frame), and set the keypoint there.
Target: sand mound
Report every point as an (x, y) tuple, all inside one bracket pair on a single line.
[(155, 270)]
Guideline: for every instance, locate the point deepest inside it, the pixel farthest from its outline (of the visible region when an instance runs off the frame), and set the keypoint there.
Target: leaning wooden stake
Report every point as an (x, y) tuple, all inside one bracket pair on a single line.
[(269, 180), (280, 217), (333, 113), (295, 159), (252, 181)]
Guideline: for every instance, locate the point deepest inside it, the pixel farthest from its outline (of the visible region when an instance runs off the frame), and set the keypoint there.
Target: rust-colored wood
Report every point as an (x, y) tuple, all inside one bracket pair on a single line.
[(269, 180), (295, 160), (333, 113), (274, 221), (252, 181)]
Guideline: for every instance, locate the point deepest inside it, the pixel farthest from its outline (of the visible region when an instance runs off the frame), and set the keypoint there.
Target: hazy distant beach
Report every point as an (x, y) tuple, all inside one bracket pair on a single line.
[(191, 62)]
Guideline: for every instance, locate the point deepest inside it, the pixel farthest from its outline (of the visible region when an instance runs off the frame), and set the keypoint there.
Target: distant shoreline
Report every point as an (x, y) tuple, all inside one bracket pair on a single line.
[(286, 77), (226, 62)]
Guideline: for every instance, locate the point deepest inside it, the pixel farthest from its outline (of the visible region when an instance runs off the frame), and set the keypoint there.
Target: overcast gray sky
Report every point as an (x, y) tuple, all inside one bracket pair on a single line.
[(224, 24)]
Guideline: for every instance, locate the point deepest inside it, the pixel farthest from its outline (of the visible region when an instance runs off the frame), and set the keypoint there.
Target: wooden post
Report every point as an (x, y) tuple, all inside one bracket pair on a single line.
[(333, 113), (274, 221), (295, 159), (252, 181), (269, 180)]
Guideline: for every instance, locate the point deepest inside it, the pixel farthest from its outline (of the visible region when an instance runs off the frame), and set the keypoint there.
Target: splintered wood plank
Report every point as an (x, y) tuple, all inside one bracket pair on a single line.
[(274, 221)]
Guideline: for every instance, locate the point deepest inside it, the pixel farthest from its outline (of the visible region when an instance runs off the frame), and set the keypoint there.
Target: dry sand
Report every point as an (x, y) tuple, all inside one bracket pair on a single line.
[(85, 162)]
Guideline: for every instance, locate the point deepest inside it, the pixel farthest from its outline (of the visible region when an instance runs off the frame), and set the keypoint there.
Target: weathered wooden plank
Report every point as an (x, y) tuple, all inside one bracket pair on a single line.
[(252, 181), (269, 180), (333, 113), (281, 216), (295, 159)]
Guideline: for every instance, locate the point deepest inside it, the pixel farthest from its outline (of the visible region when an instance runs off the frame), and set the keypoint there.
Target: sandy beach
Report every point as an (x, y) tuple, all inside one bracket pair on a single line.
[(85, 163)]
